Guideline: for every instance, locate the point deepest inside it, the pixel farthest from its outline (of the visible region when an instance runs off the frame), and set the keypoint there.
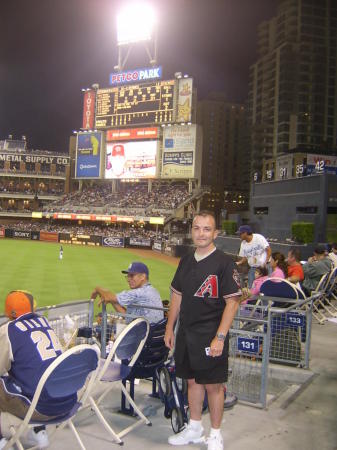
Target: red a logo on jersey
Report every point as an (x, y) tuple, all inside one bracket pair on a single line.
[(209, 288)]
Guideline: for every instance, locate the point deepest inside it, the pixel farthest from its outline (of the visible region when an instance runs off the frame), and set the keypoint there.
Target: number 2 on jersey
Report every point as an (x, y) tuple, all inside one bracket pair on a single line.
[(47, 346)]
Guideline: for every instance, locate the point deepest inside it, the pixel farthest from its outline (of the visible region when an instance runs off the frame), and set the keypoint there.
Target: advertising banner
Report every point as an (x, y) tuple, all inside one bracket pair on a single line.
[(179, 145), (8, 233), (49, 236), (113, 241), (18, 234), (41, 159), (84, 239), (65, 238), (131, 134), (89, 109), (35, 235), (131, 160), (157, 245), (139, 242), (184, 107), (88, 155), (2, 233), (168, 250)]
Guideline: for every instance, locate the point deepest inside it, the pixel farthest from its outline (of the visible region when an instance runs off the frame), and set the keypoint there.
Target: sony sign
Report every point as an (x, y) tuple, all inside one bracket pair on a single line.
[(21, 234)]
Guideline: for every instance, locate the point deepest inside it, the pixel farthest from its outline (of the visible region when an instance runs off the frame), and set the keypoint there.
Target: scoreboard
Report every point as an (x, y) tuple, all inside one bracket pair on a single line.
[(137, 104)]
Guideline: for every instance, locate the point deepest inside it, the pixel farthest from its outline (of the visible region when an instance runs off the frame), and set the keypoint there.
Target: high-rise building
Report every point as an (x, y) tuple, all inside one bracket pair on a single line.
[(292, 91), (225, 155)]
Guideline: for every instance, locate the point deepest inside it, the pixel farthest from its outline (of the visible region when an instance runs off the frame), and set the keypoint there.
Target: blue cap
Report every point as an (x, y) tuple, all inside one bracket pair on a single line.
[(245, 229), (137, 267)]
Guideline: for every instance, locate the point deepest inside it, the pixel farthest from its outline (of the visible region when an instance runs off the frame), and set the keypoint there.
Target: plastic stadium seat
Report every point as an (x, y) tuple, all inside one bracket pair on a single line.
[(117, 366), (65, 376)]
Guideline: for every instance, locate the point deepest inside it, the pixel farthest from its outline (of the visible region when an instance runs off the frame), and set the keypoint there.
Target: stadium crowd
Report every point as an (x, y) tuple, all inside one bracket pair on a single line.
[(161, 197)]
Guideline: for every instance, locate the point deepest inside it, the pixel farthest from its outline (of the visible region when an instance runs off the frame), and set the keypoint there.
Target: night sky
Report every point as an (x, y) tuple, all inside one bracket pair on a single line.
[(50, 49)]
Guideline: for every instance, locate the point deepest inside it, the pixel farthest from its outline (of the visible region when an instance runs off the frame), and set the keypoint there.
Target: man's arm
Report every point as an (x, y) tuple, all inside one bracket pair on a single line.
[(268, 251), (172, 317), (5, 354), (107, 296), (294, 278), (243, 260), (232, 305)]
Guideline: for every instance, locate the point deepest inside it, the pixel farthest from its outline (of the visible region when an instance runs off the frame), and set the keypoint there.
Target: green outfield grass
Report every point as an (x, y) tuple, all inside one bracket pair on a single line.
[(35, 266)]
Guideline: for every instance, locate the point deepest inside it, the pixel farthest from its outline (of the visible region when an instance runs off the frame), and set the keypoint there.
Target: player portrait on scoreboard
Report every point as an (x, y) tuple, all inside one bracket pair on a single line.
[(131, 159), (115, 161)]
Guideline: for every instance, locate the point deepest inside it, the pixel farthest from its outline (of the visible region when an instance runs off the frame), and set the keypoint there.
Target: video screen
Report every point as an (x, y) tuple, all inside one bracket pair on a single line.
[(131, 159)]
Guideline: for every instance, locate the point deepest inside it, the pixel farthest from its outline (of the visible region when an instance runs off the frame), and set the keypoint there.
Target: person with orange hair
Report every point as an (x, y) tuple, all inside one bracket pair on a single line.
[(28, 346)]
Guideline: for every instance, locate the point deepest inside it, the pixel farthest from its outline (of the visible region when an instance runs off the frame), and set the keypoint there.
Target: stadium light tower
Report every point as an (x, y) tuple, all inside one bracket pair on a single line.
[(136, 23)]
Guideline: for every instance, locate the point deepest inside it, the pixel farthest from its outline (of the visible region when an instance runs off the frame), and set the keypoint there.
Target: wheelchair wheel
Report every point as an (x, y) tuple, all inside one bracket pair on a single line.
[(182, 385), (165, 381), (177, 420)]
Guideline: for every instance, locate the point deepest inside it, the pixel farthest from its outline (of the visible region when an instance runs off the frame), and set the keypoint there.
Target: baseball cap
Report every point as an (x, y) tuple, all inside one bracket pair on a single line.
[(18, 303), (117, 150), (137, 267), (245, 229)]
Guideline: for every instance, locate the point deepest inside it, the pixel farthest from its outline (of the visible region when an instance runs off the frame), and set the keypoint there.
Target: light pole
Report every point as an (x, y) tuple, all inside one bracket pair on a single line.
[(136, 24)]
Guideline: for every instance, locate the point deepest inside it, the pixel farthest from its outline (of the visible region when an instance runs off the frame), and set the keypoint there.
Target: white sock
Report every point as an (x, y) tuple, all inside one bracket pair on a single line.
[(195, 424), (215, 432)]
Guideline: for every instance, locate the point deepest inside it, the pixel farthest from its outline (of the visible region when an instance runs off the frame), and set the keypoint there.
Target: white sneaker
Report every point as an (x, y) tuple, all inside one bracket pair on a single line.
[(32, 439), (3, 442), (215, 442), (186, 436)]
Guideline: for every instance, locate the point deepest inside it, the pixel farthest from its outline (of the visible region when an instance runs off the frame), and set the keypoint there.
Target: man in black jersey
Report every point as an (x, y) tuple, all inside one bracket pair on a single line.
[(205, 294)]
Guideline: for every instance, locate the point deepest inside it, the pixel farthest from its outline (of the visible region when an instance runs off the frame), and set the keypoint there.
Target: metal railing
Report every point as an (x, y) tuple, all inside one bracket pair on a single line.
[(262, 334)]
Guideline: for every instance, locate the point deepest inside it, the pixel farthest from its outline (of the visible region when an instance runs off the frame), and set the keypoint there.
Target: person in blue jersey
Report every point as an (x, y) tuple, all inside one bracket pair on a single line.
[(28, 346), (138, 299)]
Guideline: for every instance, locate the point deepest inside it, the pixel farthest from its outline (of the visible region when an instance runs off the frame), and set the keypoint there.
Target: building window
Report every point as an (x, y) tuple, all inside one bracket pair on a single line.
[(261, 210), (306, 209)]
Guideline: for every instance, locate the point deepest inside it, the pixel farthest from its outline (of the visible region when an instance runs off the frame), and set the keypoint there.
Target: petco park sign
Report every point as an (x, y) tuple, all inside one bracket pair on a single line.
[(131, 76)]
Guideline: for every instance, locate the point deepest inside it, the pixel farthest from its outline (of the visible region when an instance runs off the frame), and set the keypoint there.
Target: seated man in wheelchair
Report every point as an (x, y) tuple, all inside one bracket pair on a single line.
[(28, 346)]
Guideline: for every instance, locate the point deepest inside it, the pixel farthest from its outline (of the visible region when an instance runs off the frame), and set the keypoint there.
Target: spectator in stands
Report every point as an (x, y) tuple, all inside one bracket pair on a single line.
[(295, 270), (333, 254), (261, 275), (317, 265), (254, 250), (136, 300), (278, 265), (22, 362)]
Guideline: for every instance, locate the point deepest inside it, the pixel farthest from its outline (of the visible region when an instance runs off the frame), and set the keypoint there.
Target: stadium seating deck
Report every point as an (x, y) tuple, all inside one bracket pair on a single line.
[(305, 420)]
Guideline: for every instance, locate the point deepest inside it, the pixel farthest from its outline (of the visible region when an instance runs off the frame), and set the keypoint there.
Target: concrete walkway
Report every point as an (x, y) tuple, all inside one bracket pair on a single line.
[(306, 420)]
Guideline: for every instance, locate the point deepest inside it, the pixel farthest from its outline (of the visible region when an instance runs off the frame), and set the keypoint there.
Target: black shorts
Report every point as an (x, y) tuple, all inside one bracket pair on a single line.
[(216, 375)]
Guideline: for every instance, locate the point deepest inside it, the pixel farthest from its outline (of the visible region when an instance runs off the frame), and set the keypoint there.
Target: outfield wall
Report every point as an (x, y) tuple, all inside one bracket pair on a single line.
[(97, 240)]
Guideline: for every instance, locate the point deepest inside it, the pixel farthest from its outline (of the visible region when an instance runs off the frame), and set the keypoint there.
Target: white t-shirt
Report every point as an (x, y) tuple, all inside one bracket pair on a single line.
[(255, 250), (333, 258)]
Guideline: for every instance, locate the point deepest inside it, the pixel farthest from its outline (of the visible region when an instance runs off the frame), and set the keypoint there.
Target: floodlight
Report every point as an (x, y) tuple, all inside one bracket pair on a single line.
[(135, 23)]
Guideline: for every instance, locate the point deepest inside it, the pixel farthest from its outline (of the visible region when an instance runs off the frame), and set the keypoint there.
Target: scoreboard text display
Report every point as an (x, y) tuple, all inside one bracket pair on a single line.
[(135, 104)]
